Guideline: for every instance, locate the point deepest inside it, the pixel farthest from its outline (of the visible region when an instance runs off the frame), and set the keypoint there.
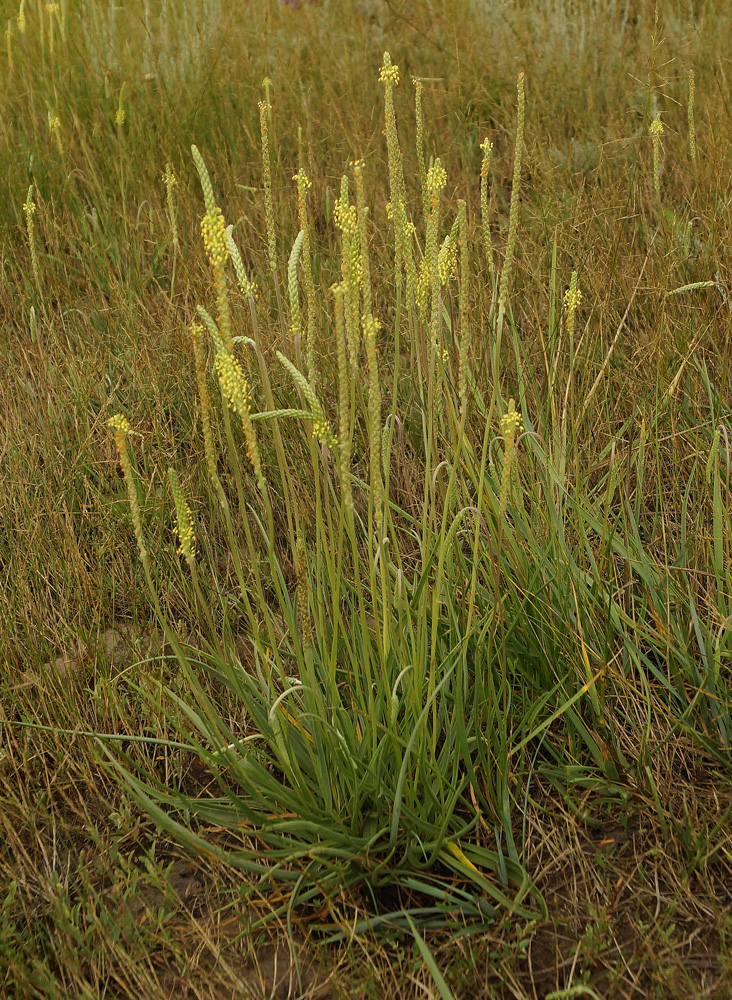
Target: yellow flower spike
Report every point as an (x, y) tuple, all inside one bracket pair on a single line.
[(344, 397), (447, 260), (54, 126), (120, 116), (389, 73), (213, 230), (196, 334), (21, 17), (572, 299), (656, 129), (120, 425), (403, 258), (184, 520), (510, 422), (511, 425), (302, 590), (436, 178), (234, 387), (265, 114), (419, 121), (29, 208), (513, 215), (215, 243), (346, 219), (463, 308), (235, 391), (485, 167), (363, 240), (370, 330), (171, 181), (303, 184), (690, 118)]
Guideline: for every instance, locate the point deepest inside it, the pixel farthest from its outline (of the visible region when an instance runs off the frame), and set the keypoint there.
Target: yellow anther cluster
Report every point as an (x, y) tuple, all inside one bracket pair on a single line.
[(510, 422), (233, 383), (345, 217), (436, 178), (29, 207), (119, 424), (302, 180), (487, 147), (656, 128), (388, 73), (572, 298), (213, 231), (323, 431)]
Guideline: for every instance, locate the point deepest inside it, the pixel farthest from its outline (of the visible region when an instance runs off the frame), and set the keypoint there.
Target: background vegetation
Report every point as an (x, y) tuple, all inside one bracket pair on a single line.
[(611, 569)]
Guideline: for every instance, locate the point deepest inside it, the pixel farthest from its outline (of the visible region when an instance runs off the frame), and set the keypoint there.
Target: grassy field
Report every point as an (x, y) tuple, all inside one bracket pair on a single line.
[(379, 646)]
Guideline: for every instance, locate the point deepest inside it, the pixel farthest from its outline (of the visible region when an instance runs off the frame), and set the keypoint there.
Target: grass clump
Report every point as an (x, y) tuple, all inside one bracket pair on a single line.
[(422, 436)]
